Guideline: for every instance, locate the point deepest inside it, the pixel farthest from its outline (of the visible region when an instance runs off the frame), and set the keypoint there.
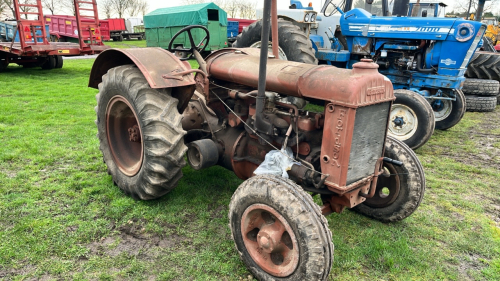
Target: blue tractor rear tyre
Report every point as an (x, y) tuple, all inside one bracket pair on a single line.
[(456, 114), (412, 118)]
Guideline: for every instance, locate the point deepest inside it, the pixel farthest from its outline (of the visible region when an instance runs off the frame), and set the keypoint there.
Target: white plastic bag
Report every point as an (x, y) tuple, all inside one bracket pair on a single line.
[(276, 163)]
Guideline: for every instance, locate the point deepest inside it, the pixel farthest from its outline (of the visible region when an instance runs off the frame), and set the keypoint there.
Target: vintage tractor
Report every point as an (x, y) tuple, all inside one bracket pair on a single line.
[(425, 58), (243, 110)]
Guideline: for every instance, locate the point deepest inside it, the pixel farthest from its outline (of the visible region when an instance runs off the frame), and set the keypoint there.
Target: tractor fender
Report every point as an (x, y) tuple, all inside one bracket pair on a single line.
[(158, 66)]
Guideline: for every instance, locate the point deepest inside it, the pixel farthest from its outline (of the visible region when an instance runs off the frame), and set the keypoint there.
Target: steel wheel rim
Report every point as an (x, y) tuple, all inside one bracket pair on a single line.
[(442, 114), (388, 182), (269, 240), (124, 135), (410, 126), (281, 53)]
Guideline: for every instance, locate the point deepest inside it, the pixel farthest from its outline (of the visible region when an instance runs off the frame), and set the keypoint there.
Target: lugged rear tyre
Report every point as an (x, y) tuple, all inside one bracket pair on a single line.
[(480, 103), (140, 133), (401, 190), (484, 65), (59, 61), (483, 87), (269, 199), (294, 43)]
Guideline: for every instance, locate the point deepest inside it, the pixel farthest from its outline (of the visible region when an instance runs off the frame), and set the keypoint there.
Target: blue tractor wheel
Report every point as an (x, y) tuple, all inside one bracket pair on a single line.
[(448, 113)]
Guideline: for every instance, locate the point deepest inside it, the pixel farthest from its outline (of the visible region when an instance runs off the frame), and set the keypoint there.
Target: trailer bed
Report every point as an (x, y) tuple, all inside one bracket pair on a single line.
[(53, 48)]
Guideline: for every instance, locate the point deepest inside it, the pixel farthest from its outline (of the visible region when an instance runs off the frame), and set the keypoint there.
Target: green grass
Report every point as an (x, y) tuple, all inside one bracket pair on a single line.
[(133, 43), (61, 217)]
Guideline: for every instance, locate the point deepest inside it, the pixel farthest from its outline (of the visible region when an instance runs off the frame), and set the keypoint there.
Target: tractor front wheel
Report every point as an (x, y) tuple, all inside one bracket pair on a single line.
[(400, 189), (447, 112), (140, 133), (279, 231), (411, 119)]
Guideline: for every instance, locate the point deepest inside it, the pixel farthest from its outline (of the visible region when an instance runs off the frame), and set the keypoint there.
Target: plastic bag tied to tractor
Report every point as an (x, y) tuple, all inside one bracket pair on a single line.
[(277, 162)]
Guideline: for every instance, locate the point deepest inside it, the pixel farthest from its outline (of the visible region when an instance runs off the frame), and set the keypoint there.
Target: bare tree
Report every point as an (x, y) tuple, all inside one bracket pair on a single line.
[(232, 8), (51, 5), (467, 7), (120, 7), (6, 9), (26, 9), (143, 7), (247, 9), (106, 8), (136, 7), (191, 2), (68, 6)]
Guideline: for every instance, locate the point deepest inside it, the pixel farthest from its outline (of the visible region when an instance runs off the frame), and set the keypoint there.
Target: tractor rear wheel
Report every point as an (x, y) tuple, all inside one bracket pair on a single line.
[(400, 189), (448, 113), (279, 231), (294, 43), (140, 133), (412, 119), (484, 65)]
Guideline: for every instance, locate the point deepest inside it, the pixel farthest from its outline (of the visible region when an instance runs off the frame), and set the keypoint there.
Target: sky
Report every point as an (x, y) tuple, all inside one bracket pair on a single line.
[(282, 4)]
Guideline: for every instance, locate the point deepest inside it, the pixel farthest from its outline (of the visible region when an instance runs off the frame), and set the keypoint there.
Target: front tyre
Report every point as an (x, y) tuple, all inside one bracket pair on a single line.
[(411, 119), (140, 133), (448, 113), (400, 189), (279, 231)]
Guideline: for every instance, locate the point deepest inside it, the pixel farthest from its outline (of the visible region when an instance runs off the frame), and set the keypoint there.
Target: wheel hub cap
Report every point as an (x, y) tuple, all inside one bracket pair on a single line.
[(269, 240), (442, 109), (124, 135), (404, 122)]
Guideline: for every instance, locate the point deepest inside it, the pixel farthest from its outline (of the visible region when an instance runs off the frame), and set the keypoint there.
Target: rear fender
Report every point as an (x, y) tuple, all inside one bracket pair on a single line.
[(156, 64)]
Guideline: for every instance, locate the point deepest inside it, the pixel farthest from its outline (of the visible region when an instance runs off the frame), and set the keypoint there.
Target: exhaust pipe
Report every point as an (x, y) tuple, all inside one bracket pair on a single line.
[(202, 154)]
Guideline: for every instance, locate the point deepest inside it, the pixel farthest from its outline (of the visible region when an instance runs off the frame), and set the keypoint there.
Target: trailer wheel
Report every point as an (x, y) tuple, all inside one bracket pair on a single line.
[(50, 63), (140, 133), (480, 103), (3, 63), (448, 113), (412, 119), (59, 62), (279, 231), (400, 189), (294, 43)]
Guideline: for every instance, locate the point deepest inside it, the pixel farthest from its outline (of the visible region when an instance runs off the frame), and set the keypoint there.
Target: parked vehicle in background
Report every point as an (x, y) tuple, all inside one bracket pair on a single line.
[(26, 41), (64, 28), (161, 25), (120, 29)]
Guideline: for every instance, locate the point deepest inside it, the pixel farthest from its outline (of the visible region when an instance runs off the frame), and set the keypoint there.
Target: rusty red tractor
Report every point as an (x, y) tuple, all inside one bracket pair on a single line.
[(240, 105)]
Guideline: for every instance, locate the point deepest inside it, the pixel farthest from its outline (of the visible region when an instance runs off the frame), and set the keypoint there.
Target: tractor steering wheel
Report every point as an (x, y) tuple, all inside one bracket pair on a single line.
[(200, 47)]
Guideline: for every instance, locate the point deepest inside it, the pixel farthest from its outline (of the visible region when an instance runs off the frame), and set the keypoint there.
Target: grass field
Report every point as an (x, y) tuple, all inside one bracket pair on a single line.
[(61, 217)]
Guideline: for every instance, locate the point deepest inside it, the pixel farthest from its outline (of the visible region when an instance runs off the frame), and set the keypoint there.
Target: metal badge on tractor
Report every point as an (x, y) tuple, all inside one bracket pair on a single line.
[(243, 109)]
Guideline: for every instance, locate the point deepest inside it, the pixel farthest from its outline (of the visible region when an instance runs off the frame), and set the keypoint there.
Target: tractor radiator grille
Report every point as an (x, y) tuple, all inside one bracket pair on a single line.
[(368, 139)]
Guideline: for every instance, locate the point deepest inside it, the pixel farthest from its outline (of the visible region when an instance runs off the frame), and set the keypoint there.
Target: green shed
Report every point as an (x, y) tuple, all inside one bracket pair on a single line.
[(162, 24)]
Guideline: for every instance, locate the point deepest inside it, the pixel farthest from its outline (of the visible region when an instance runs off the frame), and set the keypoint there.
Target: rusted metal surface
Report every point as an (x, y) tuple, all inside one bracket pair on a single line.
[(154, 63), (274, 27), (303, 80), (387, 188), (270, 240), (124, 135), (337, 203)]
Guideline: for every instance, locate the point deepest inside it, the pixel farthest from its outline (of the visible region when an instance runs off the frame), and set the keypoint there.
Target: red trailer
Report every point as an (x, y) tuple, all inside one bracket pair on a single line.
[(65, 28), (243, 23), (118, 30), (33, 48)]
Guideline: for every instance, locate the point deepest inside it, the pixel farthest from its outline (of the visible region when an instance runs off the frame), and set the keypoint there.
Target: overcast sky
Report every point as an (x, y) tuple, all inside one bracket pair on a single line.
[(282, 4)]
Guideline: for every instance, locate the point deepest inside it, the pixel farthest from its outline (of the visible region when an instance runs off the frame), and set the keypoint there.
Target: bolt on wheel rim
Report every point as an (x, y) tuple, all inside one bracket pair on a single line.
[(388, 188), (403, 122), (444, 111), (269, 240), (124, 135)]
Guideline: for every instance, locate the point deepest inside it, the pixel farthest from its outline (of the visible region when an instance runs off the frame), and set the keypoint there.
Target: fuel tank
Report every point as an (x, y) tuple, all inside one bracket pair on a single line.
[(362, 85)]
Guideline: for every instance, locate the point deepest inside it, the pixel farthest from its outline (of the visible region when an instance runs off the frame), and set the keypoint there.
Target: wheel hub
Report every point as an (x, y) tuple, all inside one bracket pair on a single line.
[(442, 109), (388, 188), (404, 122), (124, 135), (269, 240)]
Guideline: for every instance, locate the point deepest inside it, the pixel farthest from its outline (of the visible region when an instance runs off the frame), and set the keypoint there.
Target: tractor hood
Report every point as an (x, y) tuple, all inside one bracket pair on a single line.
[(359, 22)]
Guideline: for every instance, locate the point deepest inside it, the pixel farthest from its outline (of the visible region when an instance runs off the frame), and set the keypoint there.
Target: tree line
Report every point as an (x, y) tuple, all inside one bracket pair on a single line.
[(234, 8)]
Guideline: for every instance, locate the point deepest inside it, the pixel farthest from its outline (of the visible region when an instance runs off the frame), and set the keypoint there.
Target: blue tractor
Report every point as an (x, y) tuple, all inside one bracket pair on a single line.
[(425, 58)]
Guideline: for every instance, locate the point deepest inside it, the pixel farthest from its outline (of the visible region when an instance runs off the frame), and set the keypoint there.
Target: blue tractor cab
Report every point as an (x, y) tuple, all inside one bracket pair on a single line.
[(428, 9)]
